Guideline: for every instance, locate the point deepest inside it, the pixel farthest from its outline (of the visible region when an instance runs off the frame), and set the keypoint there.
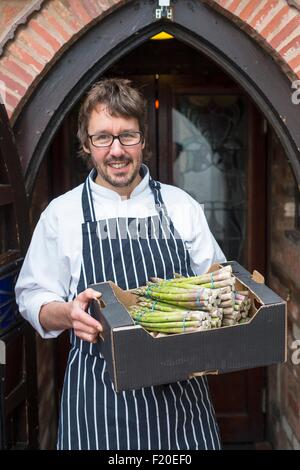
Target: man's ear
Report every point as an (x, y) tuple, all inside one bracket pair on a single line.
[(144, 143), (86, 149)]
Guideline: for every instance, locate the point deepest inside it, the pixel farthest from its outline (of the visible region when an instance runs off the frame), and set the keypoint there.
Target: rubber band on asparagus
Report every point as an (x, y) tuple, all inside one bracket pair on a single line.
[(198, 299), (140, 314), (148, 292)]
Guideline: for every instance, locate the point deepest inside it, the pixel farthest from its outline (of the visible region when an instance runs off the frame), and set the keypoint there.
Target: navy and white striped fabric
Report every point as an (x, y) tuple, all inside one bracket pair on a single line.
[(93, 416)]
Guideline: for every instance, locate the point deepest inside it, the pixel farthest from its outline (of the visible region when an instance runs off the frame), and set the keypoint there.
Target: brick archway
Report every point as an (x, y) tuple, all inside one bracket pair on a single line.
[(53, 29), (39, 32)]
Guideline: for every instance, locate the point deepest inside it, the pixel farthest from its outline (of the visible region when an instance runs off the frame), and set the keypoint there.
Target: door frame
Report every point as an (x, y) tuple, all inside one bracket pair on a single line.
[(128, 27)]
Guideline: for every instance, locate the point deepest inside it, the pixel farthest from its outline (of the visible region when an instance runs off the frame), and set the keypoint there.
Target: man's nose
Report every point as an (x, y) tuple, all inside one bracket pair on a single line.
[(117, 148)]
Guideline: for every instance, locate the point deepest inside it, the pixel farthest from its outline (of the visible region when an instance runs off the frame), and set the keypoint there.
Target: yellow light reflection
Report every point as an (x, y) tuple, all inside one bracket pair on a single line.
[(161, 36)]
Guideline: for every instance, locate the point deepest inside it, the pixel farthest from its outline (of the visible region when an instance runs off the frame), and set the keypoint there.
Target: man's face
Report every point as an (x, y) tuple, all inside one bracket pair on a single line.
[(118, 165)]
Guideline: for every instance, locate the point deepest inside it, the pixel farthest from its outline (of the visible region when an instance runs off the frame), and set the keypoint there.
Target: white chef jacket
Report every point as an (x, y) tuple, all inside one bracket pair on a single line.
[(51, 268)]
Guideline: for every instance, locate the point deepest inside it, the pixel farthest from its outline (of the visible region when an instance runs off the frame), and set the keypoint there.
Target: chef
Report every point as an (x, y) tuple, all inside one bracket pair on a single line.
[(119, 225)]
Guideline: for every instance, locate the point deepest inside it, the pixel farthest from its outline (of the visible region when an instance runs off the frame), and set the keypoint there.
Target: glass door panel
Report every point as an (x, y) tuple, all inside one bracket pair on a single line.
[(209, 135)]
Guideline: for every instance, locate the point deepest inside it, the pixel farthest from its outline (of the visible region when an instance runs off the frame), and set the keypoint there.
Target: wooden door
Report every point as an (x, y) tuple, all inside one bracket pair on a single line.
[(18, 387)]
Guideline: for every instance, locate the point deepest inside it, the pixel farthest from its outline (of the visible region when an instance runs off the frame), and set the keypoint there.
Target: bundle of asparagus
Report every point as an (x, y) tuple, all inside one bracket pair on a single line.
[(235, 308), (190, 304)]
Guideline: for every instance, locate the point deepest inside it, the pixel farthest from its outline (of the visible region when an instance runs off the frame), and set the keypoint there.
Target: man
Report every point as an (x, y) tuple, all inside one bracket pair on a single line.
[(123, 226)]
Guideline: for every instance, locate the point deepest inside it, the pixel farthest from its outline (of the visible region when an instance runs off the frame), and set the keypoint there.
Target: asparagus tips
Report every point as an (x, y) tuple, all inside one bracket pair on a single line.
[(156, 280), (185, 304)]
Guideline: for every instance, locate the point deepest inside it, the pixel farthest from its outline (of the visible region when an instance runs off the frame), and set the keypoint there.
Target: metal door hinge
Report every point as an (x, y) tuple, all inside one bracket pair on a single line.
[(164, 10)]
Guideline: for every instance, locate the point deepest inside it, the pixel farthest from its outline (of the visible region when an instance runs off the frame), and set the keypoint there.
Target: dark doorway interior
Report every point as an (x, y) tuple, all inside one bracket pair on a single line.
[(202, 127)]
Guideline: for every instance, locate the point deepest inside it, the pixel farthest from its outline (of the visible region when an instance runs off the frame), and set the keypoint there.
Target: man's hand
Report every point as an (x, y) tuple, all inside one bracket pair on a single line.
[(64, 315), (84, 325)]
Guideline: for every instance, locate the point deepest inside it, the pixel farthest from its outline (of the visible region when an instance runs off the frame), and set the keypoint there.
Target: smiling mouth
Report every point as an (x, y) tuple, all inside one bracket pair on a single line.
[(118, 165)]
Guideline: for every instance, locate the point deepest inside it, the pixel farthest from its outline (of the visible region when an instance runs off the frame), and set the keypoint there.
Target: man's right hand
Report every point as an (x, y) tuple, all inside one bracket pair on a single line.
[(83, 324), (73, 314)]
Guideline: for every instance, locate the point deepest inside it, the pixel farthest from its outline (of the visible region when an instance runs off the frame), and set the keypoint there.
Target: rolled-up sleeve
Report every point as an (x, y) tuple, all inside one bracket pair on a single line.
[(42, 278)]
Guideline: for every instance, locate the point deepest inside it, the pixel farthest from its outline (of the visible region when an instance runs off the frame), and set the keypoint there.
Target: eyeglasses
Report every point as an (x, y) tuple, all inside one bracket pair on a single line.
[(125, 138)]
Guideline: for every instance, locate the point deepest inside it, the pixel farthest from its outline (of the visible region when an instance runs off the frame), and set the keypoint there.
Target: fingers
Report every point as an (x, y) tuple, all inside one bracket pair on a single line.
[(87, 328), (83, 322), (91, 338), (84, 325), (79, 315), (88, 294)]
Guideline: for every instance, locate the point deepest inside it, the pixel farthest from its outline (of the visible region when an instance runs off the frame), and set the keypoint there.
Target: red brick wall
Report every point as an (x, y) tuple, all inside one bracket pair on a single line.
[(284, 278), (10, 11), (275, 24)]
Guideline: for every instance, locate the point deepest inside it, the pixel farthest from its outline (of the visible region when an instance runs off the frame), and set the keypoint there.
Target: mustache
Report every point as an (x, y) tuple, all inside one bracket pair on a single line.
[(119, 160)]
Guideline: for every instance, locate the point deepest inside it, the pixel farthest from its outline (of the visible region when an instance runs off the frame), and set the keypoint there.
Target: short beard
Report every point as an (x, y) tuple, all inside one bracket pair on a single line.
[(118, 184), (115, 182)]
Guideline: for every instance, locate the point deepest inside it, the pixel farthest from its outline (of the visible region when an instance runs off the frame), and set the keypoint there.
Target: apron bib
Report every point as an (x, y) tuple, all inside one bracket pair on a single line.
[(177, 416)]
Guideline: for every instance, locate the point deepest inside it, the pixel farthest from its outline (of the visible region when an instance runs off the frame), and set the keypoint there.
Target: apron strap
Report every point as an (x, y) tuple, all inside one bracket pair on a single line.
[(159, 203), (87, 200)]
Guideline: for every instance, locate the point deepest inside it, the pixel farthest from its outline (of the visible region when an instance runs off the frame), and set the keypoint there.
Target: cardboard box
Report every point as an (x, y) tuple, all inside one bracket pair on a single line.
[(136, 359)]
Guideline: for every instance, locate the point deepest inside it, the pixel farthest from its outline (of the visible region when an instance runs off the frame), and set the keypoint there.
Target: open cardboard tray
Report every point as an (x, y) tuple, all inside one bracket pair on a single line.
[(136, 359)]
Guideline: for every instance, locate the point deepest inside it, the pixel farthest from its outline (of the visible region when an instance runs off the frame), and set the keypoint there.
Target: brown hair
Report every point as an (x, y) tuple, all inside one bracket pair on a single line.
[(121, 99)]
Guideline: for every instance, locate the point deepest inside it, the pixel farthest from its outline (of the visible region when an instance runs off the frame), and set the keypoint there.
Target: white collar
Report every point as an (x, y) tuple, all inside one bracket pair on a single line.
[(142, 188)]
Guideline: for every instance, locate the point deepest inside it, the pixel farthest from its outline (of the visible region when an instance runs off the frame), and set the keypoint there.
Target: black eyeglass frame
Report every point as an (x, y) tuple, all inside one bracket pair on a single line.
[(116, 137)]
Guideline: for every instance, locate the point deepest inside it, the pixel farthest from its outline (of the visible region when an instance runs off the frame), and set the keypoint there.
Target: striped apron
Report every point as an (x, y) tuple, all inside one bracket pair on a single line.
[(180, 415)]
